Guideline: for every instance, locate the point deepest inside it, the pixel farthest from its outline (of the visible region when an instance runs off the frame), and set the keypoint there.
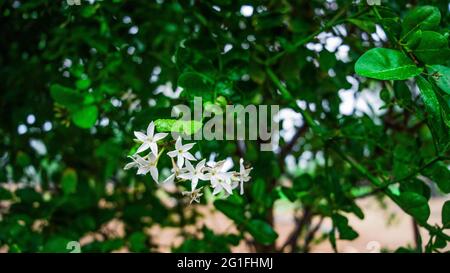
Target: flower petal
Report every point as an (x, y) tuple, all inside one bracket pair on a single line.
[(154, 173), (178, 144), (180, 161), (151, 129), (141, 136), (143, 147), (154, 148), (227, 187), (159, 136), (189, 156), (187, 147), (172, 153)]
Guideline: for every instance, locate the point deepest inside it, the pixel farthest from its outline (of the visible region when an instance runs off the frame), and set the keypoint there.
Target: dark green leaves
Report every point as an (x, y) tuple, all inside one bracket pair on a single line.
[(69, 181), (446, 214), (346, 232), (440, 174), (415, 205), (195, 84), (432, 48), (386, 64), (261, 231), (429, 98), (230, 209), (84, 114), (65, 96), (424, 18), (441, 76)]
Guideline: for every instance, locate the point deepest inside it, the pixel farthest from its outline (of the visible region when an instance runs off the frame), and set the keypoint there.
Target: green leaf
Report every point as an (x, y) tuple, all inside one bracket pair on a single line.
[(258, 189), (261, 231), (83, 84), (65, 96), (346, 232), (446, 214), (441, 76), (429, 98), (440, 174), (386, 64), (232, 210), (187, 127), (69, 181), (366, 25), (195, 85), (432, 48), (85, 117), (415, 205), (424, 18)]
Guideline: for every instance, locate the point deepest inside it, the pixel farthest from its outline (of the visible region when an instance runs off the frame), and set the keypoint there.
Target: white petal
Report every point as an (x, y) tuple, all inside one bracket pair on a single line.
[(189, 156), (170, 179), (227, 187), (187, 147), (130, 165), (159, 136), (140, 136), (217, 190), (154, 148), (151, 129), (143, 147), (189, 167), (202, 176), (143, 170), (172, 153), (178, 144), (194, 184), (154, 173), (200, 165), (180, 161), (187, 176)]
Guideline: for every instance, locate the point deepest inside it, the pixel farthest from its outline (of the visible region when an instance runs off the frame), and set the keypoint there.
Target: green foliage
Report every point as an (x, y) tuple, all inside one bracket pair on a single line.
[(78, 80)]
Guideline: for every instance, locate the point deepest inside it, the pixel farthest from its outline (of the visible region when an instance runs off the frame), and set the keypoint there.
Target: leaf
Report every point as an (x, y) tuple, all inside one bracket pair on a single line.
[(261, 231), (195, 85), (424, 18), (366, 25), (85, 117), (386, 64), (232, 210), (346, 232), (440, 174), (258, 189), (65, 96), (83, 84), (441, 76), (69, 181), (429, 98), (446, 214), (415, 205), (187, 127), (432, 48)]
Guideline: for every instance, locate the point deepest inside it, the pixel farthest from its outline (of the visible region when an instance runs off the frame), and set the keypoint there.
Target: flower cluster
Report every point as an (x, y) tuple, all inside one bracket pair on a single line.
[(183, 169)]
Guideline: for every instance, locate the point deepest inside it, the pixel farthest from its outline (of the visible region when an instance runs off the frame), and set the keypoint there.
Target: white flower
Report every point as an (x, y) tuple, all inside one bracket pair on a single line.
[(194, 195), (175, 173), (149, 165), (219, 178), (132, 164), (243, 175), (181, 152), (194, 174), (149, 140)]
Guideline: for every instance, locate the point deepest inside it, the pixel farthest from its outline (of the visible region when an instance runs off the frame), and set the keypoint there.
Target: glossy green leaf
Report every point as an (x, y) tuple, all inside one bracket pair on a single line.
[(386, 64), (446, 214), (441, 76), (261, 231), (415, 205), (432, 48), (424, 18), (85, 117), (66, 96), (230, 209), (346, 232)]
